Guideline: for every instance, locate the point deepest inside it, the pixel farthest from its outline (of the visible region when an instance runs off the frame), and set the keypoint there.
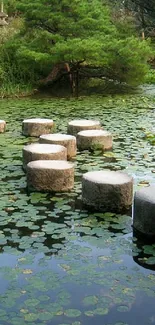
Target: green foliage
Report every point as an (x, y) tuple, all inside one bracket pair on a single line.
[(150, 137), (82, 35), (146, 10), (142, 10), (150, 77), (10, 7), (129, 60), (68, 31), (12, 74)]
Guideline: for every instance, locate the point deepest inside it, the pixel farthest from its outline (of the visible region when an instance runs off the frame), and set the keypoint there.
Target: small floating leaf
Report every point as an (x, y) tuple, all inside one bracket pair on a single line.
[(89, 313), (101, 311), (151, 261), (31, 302), (123, 308), (45, 316), (30, 317), (90, 300), (72, 313)]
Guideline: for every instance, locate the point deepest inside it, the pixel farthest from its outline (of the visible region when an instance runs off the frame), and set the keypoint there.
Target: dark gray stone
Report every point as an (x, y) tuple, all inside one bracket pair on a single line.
[(38, 151), (89, 139), (35, 127), (76, 126), (107, 190), (66, 140), (144, 211), (50, 175)]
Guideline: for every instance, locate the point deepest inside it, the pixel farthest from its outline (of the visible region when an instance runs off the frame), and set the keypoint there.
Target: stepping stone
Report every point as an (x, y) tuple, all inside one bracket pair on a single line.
[(50, 175), (2, 126), (76, 126), (144, 211), (38, 151), (107, 190), (36, 126), (91, 139), (66, 140)]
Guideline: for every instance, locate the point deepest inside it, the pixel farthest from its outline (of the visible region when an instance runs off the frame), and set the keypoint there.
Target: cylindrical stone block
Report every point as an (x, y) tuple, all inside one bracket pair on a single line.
[(107, 190), (66, 140), (50, 175), (144, 211), (91, 139), (2, 126), (36, 126), (38, 151), (76, 126)]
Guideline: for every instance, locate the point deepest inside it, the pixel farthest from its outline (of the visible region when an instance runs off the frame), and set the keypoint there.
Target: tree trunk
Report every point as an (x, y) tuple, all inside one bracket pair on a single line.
[(57, 72), (77, 84), (60, 70), (143, 21), (143, 35)]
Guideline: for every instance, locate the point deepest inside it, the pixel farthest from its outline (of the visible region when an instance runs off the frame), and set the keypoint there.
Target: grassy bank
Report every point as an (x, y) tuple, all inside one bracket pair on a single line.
[(16, 91), (150, 77), (86, 88)]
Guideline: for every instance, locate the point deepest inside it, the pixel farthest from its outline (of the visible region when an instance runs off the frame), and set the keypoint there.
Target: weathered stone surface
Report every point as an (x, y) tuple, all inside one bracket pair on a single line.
[(50, 175), (144, 211), (2, 126), (36, 126), (107, 190), (38, 151), (89, 139), (76, 126), (66, 140)]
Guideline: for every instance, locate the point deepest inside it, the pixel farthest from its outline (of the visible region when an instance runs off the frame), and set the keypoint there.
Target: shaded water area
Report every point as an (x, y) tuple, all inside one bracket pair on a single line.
[(59, 263)]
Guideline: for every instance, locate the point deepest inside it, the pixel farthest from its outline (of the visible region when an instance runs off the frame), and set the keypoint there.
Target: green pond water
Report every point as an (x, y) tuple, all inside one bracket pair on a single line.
[(59, 263)]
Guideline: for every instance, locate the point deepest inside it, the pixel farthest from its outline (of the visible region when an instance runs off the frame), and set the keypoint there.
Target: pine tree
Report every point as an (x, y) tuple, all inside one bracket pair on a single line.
[(80, 39)]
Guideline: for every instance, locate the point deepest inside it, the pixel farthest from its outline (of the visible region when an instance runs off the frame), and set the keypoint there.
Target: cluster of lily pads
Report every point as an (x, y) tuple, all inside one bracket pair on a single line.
[(59, 263)]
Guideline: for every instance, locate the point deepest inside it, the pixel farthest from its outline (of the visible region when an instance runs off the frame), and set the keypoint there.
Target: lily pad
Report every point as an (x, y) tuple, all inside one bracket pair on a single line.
[(72, 313), (89, 313), (90, 300), (45, 316), (31, 302), (150, 260), (30, 317), (101, 311), (123, 308)]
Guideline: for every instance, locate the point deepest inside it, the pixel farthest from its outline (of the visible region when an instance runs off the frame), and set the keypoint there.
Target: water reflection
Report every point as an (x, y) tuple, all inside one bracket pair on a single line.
[(144, 244)]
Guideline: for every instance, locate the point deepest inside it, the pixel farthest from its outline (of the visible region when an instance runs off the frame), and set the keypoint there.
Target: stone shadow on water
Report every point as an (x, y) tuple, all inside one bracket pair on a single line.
[(145, 256)]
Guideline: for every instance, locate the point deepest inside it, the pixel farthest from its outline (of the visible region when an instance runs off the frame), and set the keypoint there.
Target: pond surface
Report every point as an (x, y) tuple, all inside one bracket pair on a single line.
[(59, 263)]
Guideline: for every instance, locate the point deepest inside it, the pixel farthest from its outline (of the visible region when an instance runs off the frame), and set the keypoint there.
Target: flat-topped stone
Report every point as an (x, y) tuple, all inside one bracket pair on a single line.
[(48, 164), (36, 126), (91, 139), (144, 211), (107, 190), (2, 126), (38, 120), (76, 126), (50, 175), (38, 151), (66, 140)]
